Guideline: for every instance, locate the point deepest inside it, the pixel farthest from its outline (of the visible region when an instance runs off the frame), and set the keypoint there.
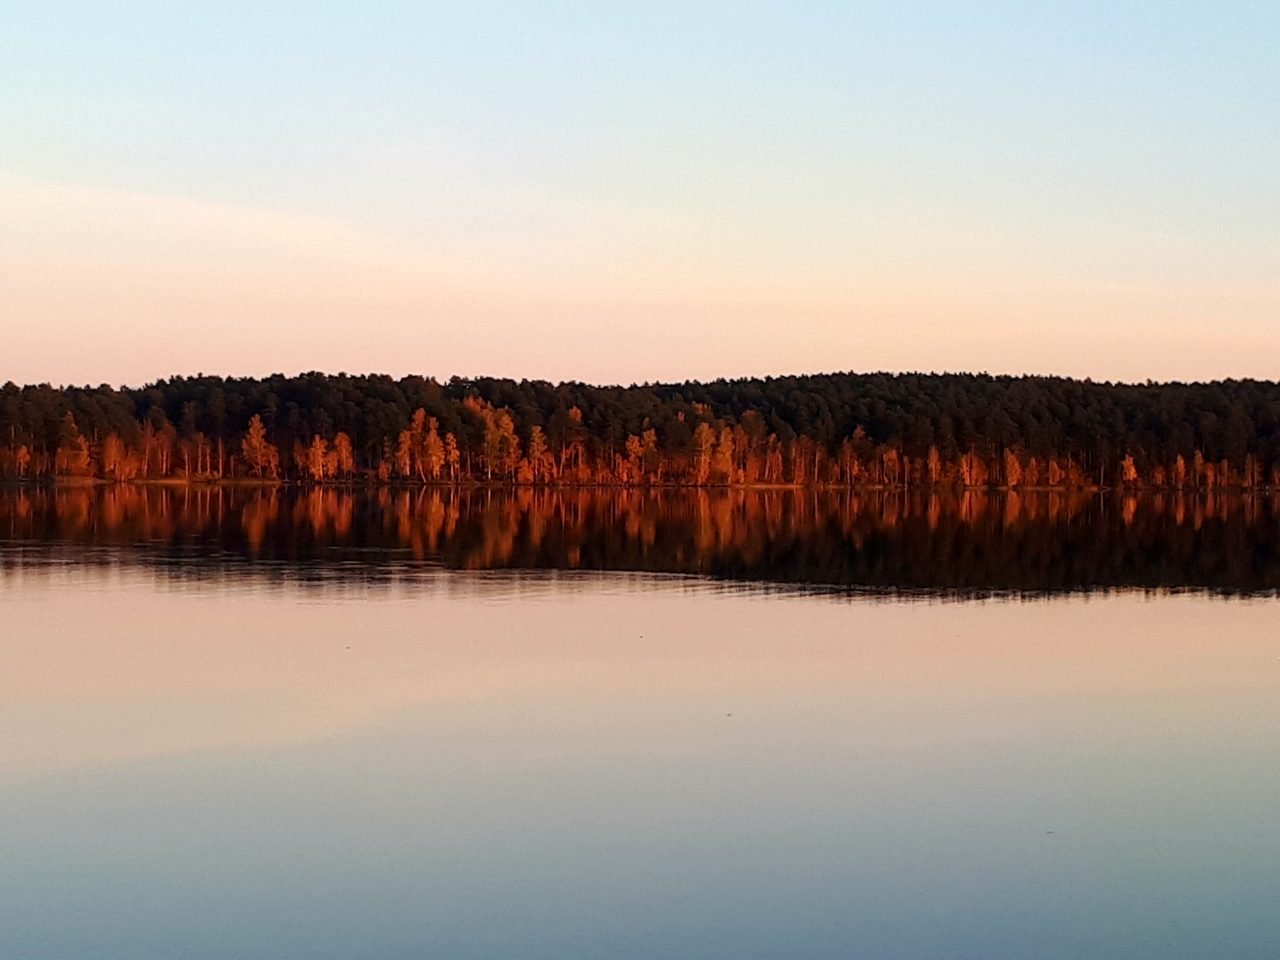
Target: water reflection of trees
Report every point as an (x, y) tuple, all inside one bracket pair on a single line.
[(965, 542)]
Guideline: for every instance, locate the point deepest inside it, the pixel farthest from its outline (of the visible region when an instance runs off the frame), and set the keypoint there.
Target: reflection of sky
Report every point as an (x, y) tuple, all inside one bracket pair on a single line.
[(627, 768)]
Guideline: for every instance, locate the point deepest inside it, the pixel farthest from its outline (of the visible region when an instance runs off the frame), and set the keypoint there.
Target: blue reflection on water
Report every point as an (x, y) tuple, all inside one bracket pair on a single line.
[(707, 802)]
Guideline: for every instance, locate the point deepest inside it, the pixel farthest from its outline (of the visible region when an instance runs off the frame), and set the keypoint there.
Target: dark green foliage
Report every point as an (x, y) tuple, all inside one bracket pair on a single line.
[(1095, 424)]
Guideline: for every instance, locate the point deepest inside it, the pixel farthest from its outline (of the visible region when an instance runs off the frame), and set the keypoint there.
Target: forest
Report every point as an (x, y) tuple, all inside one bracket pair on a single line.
[(873, 430)]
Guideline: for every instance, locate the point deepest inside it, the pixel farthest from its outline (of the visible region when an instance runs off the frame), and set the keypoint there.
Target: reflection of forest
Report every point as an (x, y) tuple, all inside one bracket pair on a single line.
[(952, 542)]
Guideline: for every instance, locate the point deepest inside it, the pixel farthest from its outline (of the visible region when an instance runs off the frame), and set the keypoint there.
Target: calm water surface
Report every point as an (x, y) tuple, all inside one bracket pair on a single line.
[(285, 727)]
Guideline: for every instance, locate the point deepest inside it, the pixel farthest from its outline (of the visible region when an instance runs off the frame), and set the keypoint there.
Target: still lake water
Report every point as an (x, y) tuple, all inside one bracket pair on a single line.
[(724, 725)]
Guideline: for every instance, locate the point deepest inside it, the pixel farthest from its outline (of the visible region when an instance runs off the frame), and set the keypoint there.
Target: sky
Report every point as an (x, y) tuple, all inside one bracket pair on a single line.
[(632, 193)]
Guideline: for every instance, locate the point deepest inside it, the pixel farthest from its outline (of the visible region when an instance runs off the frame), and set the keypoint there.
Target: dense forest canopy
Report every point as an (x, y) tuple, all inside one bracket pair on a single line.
[(845, 428)]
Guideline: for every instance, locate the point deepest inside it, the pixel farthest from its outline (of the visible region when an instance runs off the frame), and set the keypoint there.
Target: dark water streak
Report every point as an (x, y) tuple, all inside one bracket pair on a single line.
[(943, 544)]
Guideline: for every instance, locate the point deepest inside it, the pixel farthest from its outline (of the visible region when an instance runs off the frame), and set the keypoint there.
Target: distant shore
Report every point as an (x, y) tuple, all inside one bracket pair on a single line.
[(834, 431)]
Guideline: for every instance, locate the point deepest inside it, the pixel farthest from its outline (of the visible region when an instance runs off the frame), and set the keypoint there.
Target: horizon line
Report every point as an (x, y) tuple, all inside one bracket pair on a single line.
[(636, 384)]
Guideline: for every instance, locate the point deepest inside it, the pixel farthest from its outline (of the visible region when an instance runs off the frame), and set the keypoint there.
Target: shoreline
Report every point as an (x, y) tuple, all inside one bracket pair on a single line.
[(250, 483)]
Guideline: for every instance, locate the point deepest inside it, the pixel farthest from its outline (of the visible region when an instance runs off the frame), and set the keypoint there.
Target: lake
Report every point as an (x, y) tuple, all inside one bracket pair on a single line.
[(556, 724)]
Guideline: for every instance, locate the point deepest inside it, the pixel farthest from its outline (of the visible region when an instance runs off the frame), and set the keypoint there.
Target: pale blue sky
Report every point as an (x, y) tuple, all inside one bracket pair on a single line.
[(576, 190)]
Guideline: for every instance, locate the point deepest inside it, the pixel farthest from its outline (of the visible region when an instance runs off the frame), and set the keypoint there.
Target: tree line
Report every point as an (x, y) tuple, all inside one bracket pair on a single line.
[(841, 429)]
